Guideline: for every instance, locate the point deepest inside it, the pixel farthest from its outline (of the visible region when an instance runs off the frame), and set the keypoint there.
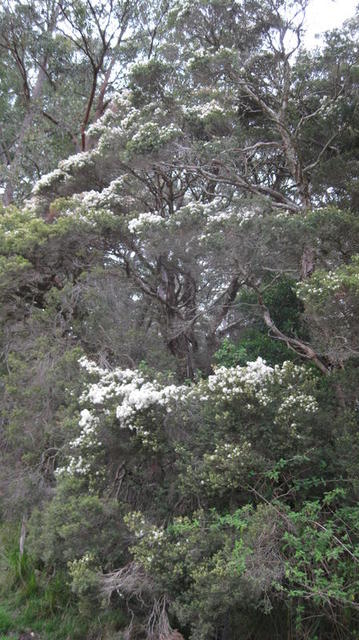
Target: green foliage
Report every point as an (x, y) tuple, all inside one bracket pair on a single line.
[(321, 554), (254, 343), (178, 328), (150, 138), (331, 298), (45, 603), (148, 81), (76, 523), (227, 564), (6, 621), (286, 311)]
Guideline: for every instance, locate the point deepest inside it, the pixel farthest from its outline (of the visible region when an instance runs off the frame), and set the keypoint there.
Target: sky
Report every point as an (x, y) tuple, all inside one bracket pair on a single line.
[(326, 14)]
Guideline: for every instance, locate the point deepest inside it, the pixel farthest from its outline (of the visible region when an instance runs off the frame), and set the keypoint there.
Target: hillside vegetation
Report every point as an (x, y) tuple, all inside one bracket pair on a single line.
[(179, 287)]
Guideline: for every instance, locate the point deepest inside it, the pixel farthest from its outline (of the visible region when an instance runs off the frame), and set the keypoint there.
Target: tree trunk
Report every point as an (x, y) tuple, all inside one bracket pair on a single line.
[(22, 536), (15, 163)]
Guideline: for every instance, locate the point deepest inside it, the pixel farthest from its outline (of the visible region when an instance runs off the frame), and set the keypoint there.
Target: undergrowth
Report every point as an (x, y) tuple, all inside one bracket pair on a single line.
[(33, 600)]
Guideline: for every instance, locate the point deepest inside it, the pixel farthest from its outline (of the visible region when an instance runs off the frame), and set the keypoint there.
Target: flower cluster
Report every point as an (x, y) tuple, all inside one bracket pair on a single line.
[(223, 467), (150, 136), (332, 302), (291, 411), (128, 391), (48, 180), (204, 111), (84, 573), (320, 285), (77, 161), (238, 215), (301, 402), (139, 395), (141, 528), (101, 199), (228, 452), (88, 424), (143, 220), (125, 395), (82, 447), (238, 381), (77, 465), (208, 214)]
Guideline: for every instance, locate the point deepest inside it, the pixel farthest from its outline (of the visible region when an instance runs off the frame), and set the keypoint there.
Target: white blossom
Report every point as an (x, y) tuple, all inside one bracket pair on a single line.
[(144, 219), (126, 394)]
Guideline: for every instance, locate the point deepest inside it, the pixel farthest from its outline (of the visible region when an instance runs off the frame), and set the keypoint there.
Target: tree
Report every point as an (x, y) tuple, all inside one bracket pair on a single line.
[(61, 61), (179, 339)]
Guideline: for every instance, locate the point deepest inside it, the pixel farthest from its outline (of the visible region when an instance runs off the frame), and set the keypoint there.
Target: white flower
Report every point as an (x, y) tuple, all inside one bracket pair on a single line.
[(144, 219)]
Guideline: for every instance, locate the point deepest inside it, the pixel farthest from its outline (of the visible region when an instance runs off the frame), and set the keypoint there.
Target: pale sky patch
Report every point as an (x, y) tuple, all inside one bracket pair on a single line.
[(323, 15)]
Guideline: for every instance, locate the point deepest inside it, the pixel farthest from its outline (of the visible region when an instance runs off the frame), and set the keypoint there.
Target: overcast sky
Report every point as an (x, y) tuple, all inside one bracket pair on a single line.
[(327, 14)]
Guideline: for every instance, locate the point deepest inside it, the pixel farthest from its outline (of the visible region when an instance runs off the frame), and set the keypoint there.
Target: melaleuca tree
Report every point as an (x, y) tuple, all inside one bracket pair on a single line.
[(26, 37), (326, 87), (61, 61), (220, 483), (199, 224), (174, 142), (251, 51)]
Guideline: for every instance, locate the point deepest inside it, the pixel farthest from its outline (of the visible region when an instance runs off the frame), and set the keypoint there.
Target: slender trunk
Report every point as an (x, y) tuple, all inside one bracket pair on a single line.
[(300, 347), (36, 94), (222, 308), (307, 262), (86, 141), (293, 161), (22, 536), (100, 106), (88, 111), (179, 312), (14, 166), (295, 168)]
